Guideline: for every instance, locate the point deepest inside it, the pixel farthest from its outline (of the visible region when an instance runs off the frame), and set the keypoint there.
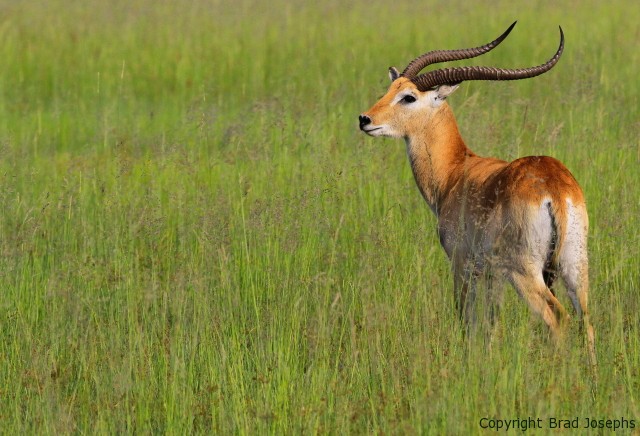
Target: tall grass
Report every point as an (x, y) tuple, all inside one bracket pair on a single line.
[(195, 237)]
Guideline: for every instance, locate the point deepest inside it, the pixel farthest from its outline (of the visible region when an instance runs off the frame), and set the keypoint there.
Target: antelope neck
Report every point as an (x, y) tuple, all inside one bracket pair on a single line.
[(437, 154)]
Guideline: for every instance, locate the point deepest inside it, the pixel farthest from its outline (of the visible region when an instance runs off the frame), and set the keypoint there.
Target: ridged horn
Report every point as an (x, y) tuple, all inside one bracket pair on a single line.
[(433, 57), (460, 74)]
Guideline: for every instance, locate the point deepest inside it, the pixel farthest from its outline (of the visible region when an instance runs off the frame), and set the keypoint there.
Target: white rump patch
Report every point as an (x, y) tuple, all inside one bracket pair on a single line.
[(574, 250), (541, 232)]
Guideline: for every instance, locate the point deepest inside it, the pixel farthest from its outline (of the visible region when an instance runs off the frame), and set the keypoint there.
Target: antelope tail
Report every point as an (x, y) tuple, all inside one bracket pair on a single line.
[(558, 210)]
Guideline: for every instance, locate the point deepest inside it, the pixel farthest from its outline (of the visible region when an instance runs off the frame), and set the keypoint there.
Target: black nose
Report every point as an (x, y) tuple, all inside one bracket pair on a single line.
[(364, 120)]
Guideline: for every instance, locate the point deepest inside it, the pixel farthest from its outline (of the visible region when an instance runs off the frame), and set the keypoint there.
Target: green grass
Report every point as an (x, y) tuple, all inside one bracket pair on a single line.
[(194, 236)]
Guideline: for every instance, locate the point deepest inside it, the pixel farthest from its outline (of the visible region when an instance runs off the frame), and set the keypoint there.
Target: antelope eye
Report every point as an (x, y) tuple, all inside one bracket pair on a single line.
[(408, 99)]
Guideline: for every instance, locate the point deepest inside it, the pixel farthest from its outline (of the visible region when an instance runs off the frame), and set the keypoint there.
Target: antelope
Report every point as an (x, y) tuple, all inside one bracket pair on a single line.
[(524, 221)]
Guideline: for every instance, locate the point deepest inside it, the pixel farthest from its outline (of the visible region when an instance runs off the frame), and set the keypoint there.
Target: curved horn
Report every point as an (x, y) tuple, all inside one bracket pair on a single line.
[(432, 57), (459, 74)]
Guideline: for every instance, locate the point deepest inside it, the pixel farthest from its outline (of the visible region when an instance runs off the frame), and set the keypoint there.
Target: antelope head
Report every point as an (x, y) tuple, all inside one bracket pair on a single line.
[(412, 98)]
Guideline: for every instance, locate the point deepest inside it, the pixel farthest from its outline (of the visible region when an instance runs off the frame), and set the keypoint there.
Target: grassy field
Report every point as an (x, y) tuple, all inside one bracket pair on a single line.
[(196, 238)]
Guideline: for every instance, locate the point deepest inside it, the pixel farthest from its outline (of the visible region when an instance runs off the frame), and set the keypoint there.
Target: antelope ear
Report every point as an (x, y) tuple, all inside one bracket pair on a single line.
[(393, 73), (445, 91)]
